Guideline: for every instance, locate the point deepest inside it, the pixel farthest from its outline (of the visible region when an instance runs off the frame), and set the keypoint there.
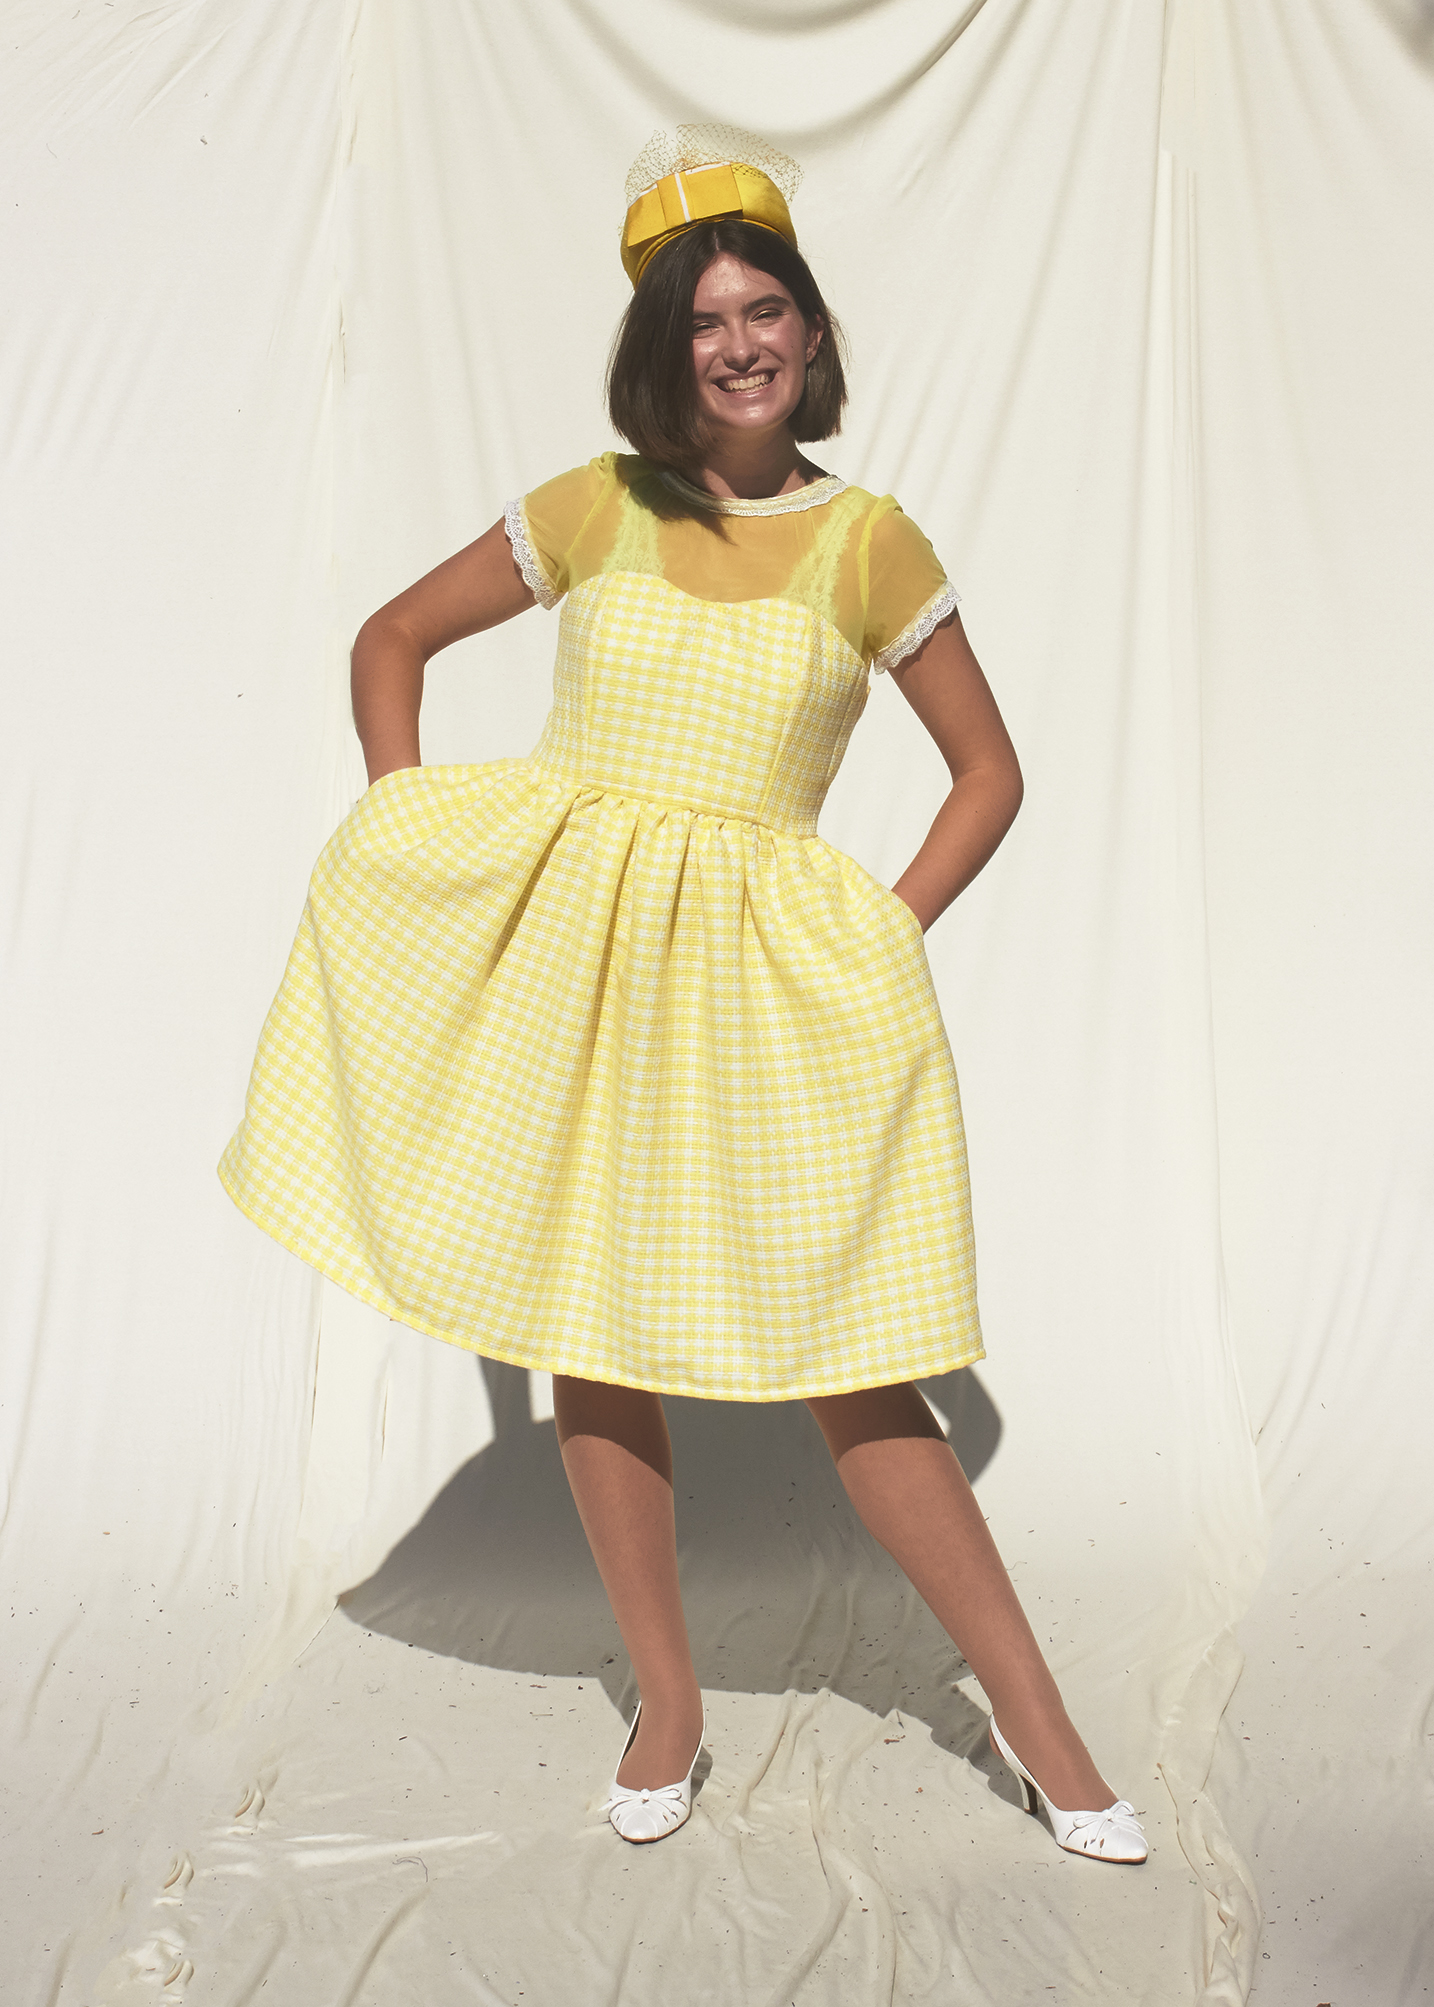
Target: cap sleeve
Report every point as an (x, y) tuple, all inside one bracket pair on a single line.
[(906, 591), (543, 526)]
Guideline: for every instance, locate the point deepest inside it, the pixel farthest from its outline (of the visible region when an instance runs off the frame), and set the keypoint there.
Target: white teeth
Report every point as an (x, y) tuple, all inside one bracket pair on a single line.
[(757, 382)]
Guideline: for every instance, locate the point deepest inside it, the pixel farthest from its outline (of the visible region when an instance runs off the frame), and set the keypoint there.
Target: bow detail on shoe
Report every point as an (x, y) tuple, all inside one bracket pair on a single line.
[(1114, 1830), (649, 1814), (653, 1811)]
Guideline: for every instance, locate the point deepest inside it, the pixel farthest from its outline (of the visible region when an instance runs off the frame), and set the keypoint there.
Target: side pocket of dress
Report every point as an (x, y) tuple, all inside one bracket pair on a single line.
[(370, 823), (888, 898), (906, 912), (371, 792)]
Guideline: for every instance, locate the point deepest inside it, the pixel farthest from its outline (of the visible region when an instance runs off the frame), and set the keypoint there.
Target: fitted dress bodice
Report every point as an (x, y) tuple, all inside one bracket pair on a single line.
[(741, 709)]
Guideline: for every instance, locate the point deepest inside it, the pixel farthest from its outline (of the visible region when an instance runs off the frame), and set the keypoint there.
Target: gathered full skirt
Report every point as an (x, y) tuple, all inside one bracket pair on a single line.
[(617, 1087)]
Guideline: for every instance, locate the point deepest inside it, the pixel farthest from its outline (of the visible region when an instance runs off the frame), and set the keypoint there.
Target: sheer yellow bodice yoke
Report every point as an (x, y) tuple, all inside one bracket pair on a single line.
[(603, 1062)]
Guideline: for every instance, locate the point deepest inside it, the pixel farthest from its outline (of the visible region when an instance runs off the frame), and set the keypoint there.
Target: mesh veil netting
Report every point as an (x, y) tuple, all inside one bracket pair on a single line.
[(709, 146)]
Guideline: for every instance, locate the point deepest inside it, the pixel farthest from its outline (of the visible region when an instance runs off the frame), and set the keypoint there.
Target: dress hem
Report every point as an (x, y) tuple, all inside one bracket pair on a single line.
[(366, 1292)]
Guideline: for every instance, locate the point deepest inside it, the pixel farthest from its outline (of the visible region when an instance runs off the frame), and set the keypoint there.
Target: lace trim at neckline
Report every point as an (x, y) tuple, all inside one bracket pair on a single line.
[(810, 497)]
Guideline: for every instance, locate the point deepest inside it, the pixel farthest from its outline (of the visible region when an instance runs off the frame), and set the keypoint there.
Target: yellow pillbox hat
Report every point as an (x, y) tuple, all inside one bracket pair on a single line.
[(706, 178)]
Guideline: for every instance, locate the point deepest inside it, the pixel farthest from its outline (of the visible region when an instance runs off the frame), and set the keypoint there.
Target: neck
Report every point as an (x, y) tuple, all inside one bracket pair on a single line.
[(751, 468)]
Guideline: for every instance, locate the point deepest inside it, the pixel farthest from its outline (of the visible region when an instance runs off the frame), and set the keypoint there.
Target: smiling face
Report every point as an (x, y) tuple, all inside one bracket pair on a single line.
[(750, 347)]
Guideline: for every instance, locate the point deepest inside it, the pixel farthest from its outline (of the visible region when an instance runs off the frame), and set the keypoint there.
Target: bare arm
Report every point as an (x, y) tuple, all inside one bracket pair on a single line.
[(943, 684), (474, 590)]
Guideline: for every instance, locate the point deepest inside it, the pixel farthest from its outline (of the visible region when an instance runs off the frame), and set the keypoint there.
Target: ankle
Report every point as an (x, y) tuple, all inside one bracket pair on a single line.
[(1057, 1759), (672, 1708), (671, 1694), (663, 1742)]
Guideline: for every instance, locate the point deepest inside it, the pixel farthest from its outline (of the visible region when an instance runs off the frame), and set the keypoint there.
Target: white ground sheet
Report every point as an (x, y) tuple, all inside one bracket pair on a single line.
[(1140, 306)]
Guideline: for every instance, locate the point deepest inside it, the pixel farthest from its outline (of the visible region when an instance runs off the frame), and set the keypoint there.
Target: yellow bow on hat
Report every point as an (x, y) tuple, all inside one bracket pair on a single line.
[(698, 195)]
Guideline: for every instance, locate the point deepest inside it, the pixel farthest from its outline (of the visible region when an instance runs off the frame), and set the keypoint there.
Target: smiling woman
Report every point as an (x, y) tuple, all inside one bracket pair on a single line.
[(603, 1062), (728, 296)]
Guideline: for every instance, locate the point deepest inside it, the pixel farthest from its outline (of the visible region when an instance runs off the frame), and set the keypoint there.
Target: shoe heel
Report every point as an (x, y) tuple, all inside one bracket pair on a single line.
[(1111, 1833), (1000, 1747)]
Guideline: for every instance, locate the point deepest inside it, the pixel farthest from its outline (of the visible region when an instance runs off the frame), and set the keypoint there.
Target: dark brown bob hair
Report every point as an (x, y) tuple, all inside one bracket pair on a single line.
[(651, 392)]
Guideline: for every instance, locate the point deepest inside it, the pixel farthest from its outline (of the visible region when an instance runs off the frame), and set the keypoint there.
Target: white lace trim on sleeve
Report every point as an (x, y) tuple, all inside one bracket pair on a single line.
[(515, 524), (921, 629)]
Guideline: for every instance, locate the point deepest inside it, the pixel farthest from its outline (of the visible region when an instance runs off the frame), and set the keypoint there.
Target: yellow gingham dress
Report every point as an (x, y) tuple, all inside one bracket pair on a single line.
[(602, 1061)]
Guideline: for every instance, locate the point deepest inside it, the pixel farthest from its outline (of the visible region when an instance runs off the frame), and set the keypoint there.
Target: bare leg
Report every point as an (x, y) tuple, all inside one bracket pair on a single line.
[(619, 1463), (904, 1480)]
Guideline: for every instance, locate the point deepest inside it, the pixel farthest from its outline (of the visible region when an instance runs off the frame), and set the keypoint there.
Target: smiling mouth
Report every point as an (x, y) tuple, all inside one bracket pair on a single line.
[(757, 382)]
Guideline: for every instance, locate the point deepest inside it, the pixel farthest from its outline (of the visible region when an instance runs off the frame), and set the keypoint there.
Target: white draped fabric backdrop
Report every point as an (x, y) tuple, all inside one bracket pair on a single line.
[(1141, 305)]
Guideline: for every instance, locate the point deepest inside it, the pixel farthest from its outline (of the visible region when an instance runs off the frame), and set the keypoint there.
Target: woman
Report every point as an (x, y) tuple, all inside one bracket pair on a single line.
[(602, 1062)]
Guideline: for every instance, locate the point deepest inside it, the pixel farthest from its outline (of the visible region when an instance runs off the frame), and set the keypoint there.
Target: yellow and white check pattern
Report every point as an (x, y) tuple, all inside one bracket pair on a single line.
[(603, 1062)]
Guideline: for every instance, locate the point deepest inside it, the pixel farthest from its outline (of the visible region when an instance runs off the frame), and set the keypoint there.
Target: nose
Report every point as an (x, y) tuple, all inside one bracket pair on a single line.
[(740, 350)]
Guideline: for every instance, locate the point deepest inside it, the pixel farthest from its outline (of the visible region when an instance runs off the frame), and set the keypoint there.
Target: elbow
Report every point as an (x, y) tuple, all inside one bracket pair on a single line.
[(376, 630), (1015, 791), (1001, 790), (386, 630), (364, 648), (385, 654)]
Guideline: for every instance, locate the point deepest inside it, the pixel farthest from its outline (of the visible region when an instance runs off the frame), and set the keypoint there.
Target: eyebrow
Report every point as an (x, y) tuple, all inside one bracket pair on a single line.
[(767, 300)]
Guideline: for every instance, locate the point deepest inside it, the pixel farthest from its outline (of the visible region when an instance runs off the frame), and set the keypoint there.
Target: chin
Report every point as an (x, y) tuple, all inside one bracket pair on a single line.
[(748, 416)]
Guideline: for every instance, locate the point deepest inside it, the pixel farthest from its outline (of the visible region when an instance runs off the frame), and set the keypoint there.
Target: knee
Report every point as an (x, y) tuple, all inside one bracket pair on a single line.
[(629, 1416), (873, 1414)]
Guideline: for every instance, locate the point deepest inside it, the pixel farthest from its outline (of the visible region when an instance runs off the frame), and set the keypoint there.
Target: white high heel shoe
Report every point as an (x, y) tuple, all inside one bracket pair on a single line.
[(1110, 1835), (641, 1816)]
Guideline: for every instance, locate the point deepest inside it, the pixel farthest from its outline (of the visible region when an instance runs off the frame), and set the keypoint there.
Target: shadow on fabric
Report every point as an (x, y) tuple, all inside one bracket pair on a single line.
[(783, 1586)]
